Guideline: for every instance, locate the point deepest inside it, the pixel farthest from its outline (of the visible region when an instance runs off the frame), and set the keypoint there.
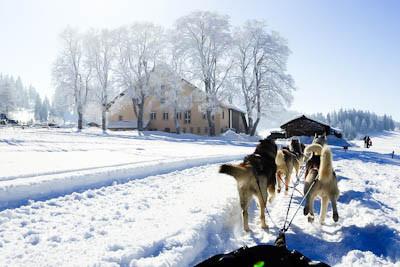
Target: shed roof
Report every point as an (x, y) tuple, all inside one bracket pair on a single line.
[(303, 117)]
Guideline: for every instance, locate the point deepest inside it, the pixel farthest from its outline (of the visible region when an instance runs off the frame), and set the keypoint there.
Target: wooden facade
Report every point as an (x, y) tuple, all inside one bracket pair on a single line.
[(303, 126)]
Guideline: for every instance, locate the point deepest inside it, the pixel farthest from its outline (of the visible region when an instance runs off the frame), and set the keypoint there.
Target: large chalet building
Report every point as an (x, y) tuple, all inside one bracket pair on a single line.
[(159, 116)]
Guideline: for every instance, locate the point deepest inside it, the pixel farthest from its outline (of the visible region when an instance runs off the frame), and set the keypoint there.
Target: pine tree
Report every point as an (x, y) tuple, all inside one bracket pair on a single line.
[(38, 108), (44, 110)]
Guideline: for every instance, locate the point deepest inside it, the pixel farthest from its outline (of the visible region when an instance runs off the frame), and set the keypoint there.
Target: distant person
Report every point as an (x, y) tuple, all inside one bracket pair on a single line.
[(365, 141), (392, 154)]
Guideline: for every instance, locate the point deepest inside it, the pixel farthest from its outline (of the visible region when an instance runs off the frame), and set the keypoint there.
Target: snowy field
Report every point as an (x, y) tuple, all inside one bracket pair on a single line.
[(156, 200)]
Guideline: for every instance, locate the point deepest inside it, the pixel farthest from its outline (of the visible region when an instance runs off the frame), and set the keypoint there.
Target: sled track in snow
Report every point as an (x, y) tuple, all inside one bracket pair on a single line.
[(17, 192), (163, 220)]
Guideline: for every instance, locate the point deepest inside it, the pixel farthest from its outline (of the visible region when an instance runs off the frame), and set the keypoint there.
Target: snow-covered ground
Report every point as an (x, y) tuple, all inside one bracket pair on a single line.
[(38, 163), (180, 211)]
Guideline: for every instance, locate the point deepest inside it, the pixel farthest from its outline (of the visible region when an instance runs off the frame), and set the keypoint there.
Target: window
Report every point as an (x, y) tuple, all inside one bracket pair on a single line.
[(191, 130), (165, 116), (206, 130), (223, 115), (179, 115), (153, 115), (184, 130), (212, 117), (204, 116), (188, 117), (198, 130), (120, 117)]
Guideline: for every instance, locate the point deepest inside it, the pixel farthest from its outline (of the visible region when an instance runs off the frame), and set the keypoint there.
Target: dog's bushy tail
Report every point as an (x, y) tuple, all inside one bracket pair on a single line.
[(232, 170), (313, 148), (325, 167), (280, 158)]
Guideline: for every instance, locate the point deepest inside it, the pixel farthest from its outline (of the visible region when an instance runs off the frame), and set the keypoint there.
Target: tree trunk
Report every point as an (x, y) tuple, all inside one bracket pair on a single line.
[(134, 103), (140, 114), (177, 125), (80, 120), (103, 120), (211, 124), (249, 127), (254, 128)]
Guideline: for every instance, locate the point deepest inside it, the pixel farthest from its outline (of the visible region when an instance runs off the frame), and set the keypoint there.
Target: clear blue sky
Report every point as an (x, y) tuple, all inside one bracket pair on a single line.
[(344, 53)]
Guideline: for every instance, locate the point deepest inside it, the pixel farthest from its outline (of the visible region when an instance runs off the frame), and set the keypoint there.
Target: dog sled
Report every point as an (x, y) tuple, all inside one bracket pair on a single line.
[(262, 256)]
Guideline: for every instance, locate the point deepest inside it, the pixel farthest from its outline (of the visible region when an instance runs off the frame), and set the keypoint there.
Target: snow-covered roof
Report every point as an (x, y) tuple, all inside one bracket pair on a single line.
[(336, 129), (304, 117), (231, 106)]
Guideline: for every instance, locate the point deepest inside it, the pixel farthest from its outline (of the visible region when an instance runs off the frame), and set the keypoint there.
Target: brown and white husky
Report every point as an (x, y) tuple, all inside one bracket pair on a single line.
[(255, 177), (320, 167)]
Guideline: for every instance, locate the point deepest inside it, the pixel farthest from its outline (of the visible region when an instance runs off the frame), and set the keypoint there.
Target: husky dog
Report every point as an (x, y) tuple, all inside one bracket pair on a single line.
[(286, 161), (319, 167), (297, 148), (255, 177), (320, 139), (314, 152)]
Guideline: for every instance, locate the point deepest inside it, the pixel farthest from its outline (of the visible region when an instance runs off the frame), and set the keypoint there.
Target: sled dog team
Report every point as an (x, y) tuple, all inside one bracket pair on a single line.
[(259, 173)]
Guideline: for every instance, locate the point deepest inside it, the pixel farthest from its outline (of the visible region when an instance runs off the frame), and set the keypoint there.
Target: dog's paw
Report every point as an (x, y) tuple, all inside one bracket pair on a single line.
[(305, 211), (335, 217), (271, 199), (247, 229), (279, 190), (310, 219)]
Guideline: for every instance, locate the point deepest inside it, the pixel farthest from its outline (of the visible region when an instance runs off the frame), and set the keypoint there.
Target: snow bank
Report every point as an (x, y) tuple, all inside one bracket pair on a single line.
[(164, 220), (18, 191), (233, 136)]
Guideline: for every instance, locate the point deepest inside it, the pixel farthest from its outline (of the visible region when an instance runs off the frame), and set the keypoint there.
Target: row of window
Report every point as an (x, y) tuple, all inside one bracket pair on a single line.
[(191, 130), (187, 116)]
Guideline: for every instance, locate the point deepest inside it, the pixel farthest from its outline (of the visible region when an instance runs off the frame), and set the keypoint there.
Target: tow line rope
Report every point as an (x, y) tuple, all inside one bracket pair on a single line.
[(285, 228), (302, 170)]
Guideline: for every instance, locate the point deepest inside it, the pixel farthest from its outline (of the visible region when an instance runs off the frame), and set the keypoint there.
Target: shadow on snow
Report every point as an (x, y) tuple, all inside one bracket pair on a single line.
[(379, 239)]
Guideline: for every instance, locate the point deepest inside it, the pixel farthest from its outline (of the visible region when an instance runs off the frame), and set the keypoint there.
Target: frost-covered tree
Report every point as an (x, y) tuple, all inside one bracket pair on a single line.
[(206, 39), (71, 71), (260, 58), (140, 48), (38, 108), (100, 45), (21, 94), (356, 122), (170, 74), (7, 95), (44, 112), (169, 88)]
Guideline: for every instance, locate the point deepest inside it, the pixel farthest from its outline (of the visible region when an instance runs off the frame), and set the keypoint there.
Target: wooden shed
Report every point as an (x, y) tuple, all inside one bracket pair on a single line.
[(303, 126)]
